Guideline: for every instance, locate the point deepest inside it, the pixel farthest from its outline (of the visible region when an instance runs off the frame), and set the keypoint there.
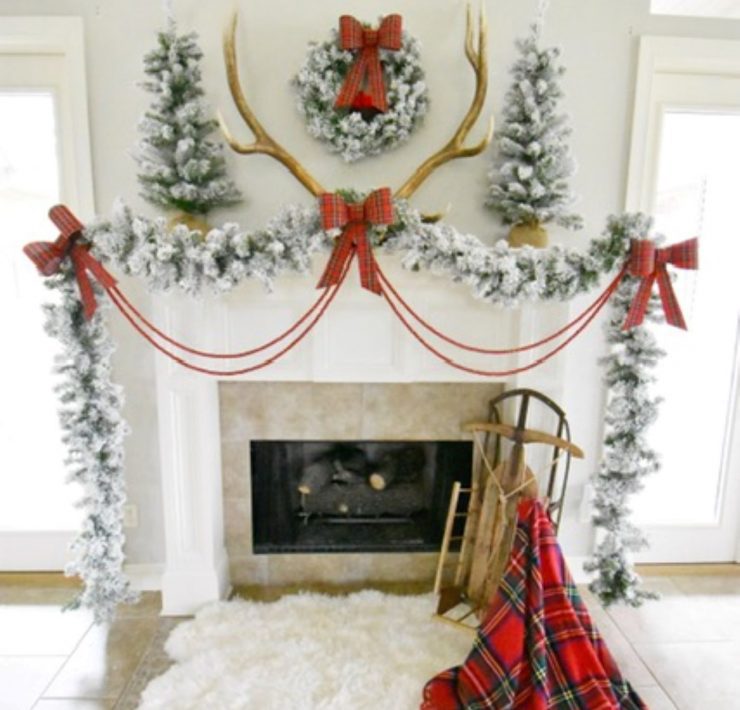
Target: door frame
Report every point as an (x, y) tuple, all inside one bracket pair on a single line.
[(675, 56)]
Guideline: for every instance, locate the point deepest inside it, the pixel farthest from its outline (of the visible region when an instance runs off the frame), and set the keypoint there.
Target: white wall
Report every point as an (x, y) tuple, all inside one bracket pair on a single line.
[(599, 41)]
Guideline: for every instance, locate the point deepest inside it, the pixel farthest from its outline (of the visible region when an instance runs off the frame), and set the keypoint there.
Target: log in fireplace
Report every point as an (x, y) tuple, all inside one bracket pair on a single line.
[(353, 496)]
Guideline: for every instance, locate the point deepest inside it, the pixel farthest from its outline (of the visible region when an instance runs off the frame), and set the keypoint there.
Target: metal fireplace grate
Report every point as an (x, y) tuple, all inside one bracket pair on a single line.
[(353, 496)]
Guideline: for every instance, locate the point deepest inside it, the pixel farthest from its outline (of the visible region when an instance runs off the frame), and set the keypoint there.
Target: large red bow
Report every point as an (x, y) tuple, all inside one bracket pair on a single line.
[(353, 218), (649, 263), (353, 35), (48, 257)]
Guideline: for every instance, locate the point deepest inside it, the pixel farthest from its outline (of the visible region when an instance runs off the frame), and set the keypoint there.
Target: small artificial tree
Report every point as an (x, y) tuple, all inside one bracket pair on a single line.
[(529, 188), (179, 167)]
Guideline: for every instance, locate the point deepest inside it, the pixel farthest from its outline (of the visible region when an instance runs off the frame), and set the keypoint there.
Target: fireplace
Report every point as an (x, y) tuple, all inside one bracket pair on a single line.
[(305, 421), (357, 377), (353, 496)]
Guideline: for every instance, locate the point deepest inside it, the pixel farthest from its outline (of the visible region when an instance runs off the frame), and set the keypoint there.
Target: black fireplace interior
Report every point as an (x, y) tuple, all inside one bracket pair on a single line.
[(358, 496)]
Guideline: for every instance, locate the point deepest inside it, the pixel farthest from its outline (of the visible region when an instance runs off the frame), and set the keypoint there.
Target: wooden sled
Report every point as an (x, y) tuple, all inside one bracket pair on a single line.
[(466, 581)]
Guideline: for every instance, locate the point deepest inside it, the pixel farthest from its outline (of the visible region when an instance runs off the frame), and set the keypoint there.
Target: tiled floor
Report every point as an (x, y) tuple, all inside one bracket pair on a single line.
[(682, 652)]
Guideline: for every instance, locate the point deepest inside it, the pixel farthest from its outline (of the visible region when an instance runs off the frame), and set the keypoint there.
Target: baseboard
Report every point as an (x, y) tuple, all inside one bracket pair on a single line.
[(145, 577), (35, 551), (575, 565)]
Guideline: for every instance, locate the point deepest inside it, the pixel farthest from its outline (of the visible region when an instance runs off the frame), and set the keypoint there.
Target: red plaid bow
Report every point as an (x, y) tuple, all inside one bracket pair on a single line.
[(354, 218), (353, 35), (48, 257), (649, 263)]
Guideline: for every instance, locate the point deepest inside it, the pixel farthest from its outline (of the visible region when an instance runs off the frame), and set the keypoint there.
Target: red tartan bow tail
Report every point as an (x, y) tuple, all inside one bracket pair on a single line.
[(650, 264), (48, 257), (353, 219), (353, 35)]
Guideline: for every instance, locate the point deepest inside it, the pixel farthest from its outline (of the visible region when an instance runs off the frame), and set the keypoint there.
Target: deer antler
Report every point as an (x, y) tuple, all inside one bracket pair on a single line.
[(263, 143), (455, 148)]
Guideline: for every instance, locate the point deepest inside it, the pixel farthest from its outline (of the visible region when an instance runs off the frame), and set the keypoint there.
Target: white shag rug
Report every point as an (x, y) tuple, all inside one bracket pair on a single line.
[(366, 651)]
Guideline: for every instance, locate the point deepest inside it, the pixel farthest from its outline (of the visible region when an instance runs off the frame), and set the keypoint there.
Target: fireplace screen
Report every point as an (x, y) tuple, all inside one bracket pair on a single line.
[(359, 496)]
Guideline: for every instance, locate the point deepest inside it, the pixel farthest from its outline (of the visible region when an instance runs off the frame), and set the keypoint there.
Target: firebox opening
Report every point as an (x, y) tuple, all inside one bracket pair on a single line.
[(353, 496)]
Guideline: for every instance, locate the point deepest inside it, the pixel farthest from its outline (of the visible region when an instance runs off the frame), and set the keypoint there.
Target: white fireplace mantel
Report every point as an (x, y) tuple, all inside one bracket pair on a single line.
[(357, 340)]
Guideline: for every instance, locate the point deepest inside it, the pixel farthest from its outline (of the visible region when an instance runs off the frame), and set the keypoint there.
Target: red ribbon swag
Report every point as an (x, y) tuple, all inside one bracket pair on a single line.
[(649, 263), (644, 261), (353, 35)]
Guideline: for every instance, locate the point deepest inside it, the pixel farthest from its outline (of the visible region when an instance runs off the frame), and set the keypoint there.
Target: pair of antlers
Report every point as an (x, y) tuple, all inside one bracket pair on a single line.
[(455, 148)]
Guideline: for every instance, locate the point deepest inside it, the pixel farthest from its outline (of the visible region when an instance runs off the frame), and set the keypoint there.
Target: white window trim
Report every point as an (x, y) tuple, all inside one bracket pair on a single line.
[(706, 9), (63, 37)]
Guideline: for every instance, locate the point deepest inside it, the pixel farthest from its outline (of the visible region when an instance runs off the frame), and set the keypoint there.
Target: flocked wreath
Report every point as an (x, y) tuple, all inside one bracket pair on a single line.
[(359, 131)]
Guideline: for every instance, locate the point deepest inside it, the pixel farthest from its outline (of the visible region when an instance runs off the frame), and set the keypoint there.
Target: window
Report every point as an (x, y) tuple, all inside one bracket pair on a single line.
[(684, 170), (44, 159)]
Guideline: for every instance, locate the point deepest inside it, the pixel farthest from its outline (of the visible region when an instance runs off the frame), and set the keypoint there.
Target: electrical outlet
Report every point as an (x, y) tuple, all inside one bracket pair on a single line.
[(130, 515)]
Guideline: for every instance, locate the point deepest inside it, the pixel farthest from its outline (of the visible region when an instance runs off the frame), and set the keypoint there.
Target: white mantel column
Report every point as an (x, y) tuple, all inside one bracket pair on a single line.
[(196, 568)]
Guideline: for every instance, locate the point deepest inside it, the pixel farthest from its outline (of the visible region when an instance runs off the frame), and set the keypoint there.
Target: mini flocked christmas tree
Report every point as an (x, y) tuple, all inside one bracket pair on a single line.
[(179, 167), (529, 186)]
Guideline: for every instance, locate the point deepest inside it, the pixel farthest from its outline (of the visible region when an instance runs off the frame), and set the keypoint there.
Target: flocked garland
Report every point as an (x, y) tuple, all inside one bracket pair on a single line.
[(182, 259), (93, 432), (346, 132), (632, 407), (499, 274)]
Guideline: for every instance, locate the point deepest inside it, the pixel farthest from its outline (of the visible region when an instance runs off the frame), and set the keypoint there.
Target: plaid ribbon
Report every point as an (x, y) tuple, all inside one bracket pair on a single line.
[(49, 256), (649, 263), (537, 647), (354, 35), (353, 219)]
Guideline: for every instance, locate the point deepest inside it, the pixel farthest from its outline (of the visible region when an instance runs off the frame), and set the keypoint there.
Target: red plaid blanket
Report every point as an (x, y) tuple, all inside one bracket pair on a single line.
[(538, 648)]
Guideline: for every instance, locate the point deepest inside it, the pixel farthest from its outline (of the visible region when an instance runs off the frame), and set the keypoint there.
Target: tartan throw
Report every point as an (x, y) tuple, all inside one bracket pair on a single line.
[(48, 257), (537, 649), (355, 36), (649, 264), (353, 218)]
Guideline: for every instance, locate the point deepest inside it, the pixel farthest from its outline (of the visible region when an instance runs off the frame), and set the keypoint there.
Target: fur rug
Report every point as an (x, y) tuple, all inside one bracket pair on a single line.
[(366, 651)]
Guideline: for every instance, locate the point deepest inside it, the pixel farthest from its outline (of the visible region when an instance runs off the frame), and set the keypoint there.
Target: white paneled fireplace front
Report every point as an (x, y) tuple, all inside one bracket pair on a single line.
[(358, 341)]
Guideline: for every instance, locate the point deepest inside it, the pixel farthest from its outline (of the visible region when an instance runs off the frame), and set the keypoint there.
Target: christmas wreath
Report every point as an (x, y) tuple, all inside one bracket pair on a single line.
[(332, 95)]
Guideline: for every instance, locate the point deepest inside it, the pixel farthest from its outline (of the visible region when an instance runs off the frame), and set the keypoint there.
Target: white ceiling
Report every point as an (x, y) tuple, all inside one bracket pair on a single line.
[(698, 8)]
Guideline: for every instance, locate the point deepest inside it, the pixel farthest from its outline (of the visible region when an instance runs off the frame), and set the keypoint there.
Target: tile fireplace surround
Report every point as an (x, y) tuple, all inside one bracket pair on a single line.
[(359, 375), (316, 411)]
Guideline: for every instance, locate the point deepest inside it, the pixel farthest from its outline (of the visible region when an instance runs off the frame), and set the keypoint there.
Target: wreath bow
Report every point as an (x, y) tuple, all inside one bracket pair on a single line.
[(353, 219), (49, 256), (354, 35), (649, 263)]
